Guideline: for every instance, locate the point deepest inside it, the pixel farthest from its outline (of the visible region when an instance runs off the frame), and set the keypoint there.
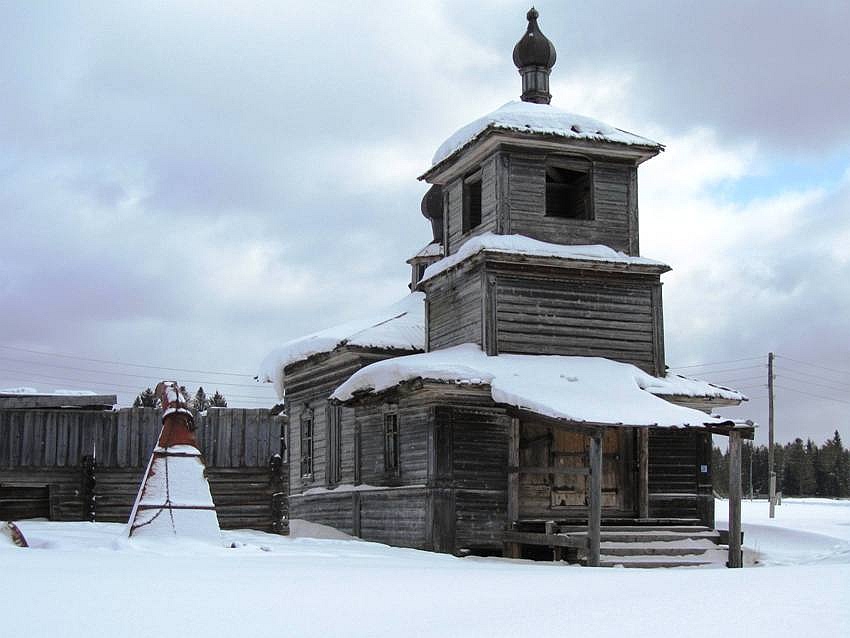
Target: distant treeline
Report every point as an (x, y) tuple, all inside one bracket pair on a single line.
[(802, 469)]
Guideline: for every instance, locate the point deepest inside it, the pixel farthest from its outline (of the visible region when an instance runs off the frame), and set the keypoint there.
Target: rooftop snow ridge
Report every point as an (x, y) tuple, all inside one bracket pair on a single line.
[(545, 119), (521, 245), (579, 389), (400, 326)]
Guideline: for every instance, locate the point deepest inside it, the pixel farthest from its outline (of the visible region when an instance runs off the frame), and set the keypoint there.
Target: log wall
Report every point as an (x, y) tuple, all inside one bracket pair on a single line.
[(680, 483), (88, 465), (600, 317)]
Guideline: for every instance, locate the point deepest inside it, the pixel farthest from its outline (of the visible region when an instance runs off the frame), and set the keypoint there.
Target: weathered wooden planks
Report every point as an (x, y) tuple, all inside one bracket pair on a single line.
[(43, 453)]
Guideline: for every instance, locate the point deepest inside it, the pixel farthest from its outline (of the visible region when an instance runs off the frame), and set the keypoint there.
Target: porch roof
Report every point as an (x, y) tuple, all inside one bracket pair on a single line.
[(589, 390)]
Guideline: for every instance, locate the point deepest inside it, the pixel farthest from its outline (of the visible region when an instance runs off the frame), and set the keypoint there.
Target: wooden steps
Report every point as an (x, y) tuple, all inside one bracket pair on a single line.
[(653, 547), (627, 542)]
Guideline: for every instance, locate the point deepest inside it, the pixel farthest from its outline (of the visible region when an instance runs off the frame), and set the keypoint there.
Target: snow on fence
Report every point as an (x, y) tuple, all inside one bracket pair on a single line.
[(87, 465)]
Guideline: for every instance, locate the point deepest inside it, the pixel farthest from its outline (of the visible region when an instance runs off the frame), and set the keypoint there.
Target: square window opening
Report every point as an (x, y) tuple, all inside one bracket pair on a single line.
[(568, 193)]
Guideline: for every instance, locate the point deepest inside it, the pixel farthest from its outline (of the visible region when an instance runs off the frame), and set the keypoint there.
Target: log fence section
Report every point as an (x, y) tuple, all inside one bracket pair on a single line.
[(87, 464)]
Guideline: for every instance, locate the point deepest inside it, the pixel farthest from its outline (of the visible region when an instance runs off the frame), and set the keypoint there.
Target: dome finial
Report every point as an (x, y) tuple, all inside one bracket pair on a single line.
[(534, 56)]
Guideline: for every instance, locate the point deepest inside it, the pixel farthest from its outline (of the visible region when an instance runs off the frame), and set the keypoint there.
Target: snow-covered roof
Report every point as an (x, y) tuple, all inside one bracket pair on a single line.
[(400, 326), (434, 249), (580, 389), (521, 245), (56, 393), (528, 117)]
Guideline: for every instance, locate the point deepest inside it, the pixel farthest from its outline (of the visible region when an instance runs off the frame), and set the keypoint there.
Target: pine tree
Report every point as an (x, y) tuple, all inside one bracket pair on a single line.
[(832, 468), (200, 402), (809, 485), (146, 399), (218, 400)]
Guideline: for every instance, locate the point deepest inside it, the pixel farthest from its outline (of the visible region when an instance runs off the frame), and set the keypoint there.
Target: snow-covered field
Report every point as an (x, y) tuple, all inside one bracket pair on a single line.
[(82, 579)]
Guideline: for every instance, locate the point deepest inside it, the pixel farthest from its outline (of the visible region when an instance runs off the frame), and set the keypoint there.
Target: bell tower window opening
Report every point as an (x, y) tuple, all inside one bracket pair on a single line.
[(568, 193), (472, 201)]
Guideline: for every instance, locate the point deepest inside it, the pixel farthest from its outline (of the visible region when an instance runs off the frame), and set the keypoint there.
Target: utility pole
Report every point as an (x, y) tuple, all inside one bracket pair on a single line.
[(770, 470)]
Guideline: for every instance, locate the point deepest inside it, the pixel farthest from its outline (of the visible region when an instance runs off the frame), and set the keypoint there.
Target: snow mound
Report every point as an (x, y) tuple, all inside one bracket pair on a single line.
[(543, 119), (401, 326), (522, 245), (581, 389)]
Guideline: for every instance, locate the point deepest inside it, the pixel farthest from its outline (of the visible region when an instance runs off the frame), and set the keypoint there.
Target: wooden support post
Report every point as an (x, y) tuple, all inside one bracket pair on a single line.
[(513, 475), (735, 558), (771, 471), (594, 518), (513, 550), (643, 472)]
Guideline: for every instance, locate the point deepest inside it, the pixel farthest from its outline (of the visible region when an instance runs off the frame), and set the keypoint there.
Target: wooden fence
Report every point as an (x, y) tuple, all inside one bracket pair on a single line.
[(87, 465)]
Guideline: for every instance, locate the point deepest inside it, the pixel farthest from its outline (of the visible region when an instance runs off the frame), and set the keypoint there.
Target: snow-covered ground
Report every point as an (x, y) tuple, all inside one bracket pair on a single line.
[(83, 579)]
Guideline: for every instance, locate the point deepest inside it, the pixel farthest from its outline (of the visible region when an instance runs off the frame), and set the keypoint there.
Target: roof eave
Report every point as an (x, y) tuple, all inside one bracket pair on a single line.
[(491, 137), (547, 260)]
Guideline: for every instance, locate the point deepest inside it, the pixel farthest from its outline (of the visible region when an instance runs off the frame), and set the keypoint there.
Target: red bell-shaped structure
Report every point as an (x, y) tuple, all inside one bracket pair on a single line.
[(174, 499)]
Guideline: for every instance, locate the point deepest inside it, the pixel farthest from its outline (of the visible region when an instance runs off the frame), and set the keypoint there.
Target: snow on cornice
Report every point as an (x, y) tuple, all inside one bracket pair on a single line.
[(579, 389), (545, 119), (434, 249), (401, 326), (521, 245)]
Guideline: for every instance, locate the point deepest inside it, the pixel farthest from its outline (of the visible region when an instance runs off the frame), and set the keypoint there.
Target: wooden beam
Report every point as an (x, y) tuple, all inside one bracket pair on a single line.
[(735, 558), (513, 477), (549, 540), (36, 401), (594, 519), (549, 471), (643, 472)]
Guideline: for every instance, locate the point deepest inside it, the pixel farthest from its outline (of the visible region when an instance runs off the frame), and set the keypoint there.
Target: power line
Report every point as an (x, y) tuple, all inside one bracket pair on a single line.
[(39, 377), (814, 365), (707, 372), (128, 374), (819, 377), (839, 388), (817, 396), (123, 363), (738, 379), (714, 363)]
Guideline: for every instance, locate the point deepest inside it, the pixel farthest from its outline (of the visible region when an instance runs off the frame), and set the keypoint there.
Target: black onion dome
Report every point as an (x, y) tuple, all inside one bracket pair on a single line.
[(432, 203), (534, 48)]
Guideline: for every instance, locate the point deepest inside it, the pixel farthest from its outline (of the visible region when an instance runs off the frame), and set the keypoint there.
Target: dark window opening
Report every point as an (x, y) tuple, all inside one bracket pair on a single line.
[(307, 447), (334, 444), (472, 202), (568, 193), (391, 451), (419, 271)]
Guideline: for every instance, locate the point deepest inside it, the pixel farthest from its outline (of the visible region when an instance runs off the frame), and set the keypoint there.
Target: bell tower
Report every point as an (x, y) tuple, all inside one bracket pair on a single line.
[(536, 209)]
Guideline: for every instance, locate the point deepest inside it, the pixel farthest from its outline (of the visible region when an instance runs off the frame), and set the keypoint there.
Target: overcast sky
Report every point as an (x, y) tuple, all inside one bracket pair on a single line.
[(186, 185)]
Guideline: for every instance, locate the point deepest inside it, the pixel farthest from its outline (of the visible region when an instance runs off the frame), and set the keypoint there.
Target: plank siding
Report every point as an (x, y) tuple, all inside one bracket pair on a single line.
[(615, 210), (674, 488), (309, 384), (454, 309), (577, 317), (490, 189), (45, 450), (479, 462)]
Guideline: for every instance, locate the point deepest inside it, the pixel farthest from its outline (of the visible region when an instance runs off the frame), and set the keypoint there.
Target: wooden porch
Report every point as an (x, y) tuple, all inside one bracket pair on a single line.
[(599, 497)]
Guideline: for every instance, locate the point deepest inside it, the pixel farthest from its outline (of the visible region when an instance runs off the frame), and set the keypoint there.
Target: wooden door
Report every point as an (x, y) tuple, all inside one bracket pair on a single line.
[(570, 451), (556, 480)]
